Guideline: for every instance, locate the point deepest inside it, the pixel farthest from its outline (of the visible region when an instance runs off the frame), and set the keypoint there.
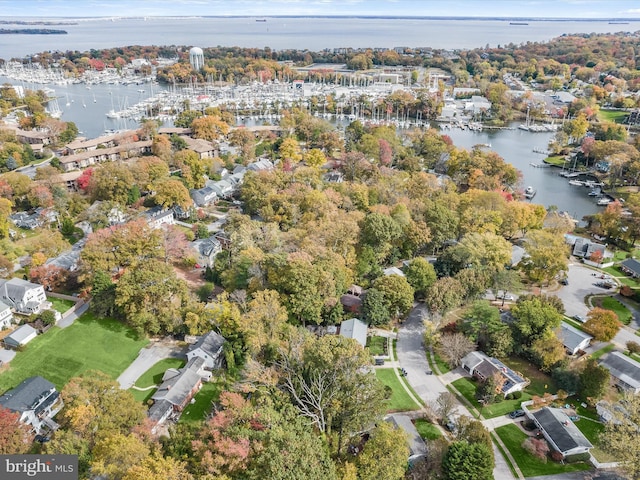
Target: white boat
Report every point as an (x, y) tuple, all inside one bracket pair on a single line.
[(529, 192), (112, 114), (594, 193), (604, 201), (576, 183)]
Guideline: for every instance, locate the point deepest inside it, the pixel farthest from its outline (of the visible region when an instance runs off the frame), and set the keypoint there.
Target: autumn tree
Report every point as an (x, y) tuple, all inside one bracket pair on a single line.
[(602, 324), (384, 455), (594, 381), (535, 319), (547, 352), (398, 294), (111, 181), (547, 256), (14, 435), (374, 308), (171, 192), (51, 277), (157, 467), (446, 293), (484, 326), (421, 275), (454, 346), (209, 127), (445, 405), (115, 454), (621, 433)]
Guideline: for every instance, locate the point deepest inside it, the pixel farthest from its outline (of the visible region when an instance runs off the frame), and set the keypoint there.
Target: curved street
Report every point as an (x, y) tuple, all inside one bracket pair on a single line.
[(412, 357)]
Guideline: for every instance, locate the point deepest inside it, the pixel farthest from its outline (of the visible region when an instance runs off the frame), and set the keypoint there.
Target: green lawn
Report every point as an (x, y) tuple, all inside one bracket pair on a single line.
[(559, 160), (540, 382), (60, 304), (616, 116), (573, 323), (89, 344), (142, 395), (376, 345), (467, 388), (624, 315), (400, 400), (530, 465), (442, 365), (621, 276), (427, 430), (198, 411), (590, 428), (153, 376)]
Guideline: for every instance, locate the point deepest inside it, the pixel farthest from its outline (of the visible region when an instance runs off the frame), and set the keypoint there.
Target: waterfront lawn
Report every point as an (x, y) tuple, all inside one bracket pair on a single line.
[(530, 465), (610, 303), (60, 304), (198, 411), (90, 343), (376, 345), (558, 160), (400, 401), (427, 430)]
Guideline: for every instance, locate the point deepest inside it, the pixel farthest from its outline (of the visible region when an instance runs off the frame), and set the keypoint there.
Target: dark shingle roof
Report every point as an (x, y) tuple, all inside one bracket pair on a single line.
[(210, 343), (26, 395), (633, 265), (561, 429), (623, 368)]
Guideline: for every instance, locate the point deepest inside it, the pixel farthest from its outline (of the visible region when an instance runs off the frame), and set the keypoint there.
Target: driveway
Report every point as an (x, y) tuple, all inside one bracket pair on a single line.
[(147, 358), (6, 355), (411, 356), (65, 322)]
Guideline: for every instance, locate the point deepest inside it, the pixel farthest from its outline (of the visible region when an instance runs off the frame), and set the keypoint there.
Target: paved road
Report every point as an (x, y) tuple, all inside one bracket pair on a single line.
[(146, 359), (411, 356)]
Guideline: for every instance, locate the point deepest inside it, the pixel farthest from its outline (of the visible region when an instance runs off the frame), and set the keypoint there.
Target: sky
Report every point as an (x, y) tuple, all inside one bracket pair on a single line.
[(467, 8)]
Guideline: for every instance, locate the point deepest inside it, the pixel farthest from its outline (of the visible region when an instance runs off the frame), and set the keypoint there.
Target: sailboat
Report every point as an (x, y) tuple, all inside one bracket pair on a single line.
[(83, 103), (94, 98), (68, 104)]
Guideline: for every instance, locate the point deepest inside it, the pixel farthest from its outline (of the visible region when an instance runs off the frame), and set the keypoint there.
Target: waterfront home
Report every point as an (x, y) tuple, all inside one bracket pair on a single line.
[(625, 372), (24, 297), (203, 148), (124, 151), (482, 367), (37, 401), (560, 431)]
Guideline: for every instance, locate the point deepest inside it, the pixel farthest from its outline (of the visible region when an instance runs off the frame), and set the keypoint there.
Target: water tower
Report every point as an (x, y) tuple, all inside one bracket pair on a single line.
[(196, 58)]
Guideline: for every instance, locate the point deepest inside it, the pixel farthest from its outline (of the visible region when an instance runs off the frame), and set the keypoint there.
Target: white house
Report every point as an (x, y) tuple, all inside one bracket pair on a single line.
[(158, 216), (206, 250), (573, 339), (625, 372), (36, 400), (560, 431), (20, 336), (356, 329), (24, 297), (209, 348), (6, 317), (483, 367), (203, 196)]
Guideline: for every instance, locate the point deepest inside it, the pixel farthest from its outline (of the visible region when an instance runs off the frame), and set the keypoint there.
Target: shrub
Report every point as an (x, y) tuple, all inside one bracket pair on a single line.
[(517, 395), (537, 447), (556, 456), (633, 347), (578, 457), (626, 291), (509, 396)]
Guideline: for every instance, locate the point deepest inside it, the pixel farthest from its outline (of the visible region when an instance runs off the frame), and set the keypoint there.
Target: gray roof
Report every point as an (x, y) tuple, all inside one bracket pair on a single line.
[(16, 288), (159, 409), (207, 246), (4, 306), (473, 359), (20, 334), (355, 329), (177, 388), (561, 429), (633, 265), (210, 343), (623, 368), (571, 337), (417, 447), (26, 395)]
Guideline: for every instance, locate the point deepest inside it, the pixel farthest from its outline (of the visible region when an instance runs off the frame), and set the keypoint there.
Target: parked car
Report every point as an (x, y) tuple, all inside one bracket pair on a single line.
[(450, 425), (379, 361), (606, 285), (564, 281), (516, 413), (506, 296), (579, 318)]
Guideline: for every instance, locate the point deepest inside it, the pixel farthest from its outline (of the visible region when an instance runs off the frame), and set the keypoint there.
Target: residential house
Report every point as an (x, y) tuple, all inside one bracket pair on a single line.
[(585, 248), (6, 316), (69, 259), (208, 347), (100, 143), (37, 401), (222, 188), (625, 372), (631, 266), (206, 250), (417, 446), (24, 297), (352, 300), (356, 329), (573, 339), (261, 165), (482, 367), (158, 216), (393, 271), (203, 148), (90, 157), (30, 221), (181, 213), (20, 336), (203, 196), (560, 431), (177, 389)]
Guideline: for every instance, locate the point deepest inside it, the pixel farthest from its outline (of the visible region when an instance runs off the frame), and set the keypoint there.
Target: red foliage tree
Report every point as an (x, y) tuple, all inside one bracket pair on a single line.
[(84, 179), (14, 436), (49, 276)]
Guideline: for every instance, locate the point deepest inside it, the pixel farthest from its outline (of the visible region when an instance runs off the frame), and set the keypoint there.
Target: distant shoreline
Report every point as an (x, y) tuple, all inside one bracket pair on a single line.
[(31, 31)]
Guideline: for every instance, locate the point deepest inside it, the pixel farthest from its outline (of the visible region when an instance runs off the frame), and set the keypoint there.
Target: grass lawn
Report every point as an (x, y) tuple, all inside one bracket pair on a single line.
[(198, 411), (400, 400), (60, 304), (610, 303), (621, 276), (540, 382), (530, 465), (559, 160), (427, 430), (467, 388), (616, 116), (153, 376), (142, 395), (573, 323), (590, 428), (89, 344), (597, 354), (376, 345), (442, 365)]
